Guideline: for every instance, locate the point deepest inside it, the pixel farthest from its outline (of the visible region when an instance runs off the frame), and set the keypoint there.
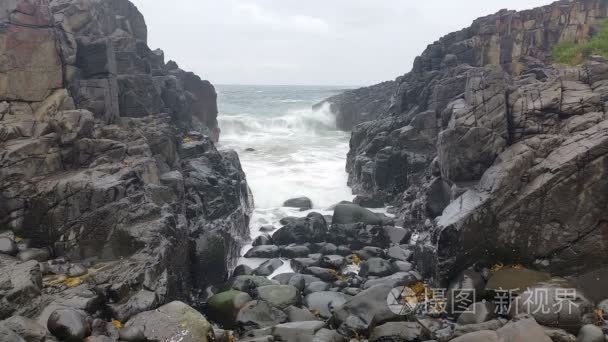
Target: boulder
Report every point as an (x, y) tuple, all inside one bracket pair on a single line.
[(302, 203), (224, 307), (397, 331), (268, 267), (68, 325), (297, 331), (393, 280), (247, 283), (263, 251), (295, 314), (591, 333), (311, 228), (316, 286), (262, 240), (173, 321), (8, 246), (291, 252), (279, 296), (332, 261), (352, 213), (242, 270), (325, 302), (325, 274), (27, 329), (376, 267), (259, 314), (364, 311), (555, 303)]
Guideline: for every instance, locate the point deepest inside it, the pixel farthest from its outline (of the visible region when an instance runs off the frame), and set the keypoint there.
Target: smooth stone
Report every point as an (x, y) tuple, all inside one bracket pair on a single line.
[(132, 334), (402, 266), (247, 284), (299, 264), (68, 325), (376, 267), (265, 251), (517, 279), (242, 270), (312, 228), (343, 251), (397, 331), (267, 228), (398, 253), (394, 280), (352, 213), (351, 291), (268, 267), (28, 329), (570, 315), (324, 274), (262, 240), (297, 331), (591, 333), (38, 254), (224, 306), (291, 252), (316, 286), (332, 261), (279, 296), (329, 248), (8, 246), (174, 321), (77, 270), (259, 314), (300, 281), (302, 203), (295, 314), (361, 312), (325, 302), (283, 278)]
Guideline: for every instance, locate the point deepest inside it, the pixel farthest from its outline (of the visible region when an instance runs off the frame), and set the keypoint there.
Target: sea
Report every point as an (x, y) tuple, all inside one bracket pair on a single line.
[(286, 149)]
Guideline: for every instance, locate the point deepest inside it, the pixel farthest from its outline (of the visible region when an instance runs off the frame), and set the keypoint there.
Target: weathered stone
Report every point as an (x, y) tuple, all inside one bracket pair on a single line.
[(175, 320), (325, 302), (279, 296), (68, 325), (223, 307)]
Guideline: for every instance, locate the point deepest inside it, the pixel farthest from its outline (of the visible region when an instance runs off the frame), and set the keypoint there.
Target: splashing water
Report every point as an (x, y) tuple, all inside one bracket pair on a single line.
[(286, 149)]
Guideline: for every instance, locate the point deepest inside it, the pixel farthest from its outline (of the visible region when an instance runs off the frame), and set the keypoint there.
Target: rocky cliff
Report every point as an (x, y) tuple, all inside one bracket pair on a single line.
[(490, 151), (113, 197)]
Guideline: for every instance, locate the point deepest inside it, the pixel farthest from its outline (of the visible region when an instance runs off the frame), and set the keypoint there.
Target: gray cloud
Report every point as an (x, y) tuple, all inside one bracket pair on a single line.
[(337, 42)]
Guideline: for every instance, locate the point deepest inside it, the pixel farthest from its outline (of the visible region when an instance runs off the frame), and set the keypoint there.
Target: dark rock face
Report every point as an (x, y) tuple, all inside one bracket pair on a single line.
[(108, 168), (360, 105), (489, 150)]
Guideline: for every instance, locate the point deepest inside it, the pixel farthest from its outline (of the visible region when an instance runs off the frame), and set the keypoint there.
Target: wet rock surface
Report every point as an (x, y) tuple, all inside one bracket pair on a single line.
[(114, 200), (486, 149)]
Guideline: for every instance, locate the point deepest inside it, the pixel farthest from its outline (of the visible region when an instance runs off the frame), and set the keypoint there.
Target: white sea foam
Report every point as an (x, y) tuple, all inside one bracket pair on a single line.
[(297, 152)]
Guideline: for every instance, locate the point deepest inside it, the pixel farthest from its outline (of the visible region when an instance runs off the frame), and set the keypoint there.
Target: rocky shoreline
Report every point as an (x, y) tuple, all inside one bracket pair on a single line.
[(120, 220)]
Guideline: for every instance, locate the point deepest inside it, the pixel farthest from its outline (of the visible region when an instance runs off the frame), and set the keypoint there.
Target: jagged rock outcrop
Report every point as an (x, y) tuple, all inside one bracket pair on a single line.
[(108, 167), (491, 152), (353, 107)]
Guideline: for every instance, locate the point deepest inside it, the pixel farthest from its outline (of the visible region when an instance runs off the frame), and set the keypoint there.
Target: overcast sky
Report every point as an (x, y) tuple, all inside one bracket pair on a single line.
[(313, 42)]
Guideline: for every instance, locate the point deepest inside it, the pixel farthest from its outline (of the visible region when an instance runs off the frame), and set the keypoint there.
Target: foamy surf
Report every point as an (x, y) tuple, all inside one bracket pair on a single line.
[(286, 149)]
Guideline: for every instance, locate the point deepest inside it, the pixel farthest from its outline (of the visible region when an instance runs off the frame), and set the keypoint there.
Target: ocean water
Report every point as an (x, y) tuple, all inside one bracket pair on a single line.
[(296, 151)]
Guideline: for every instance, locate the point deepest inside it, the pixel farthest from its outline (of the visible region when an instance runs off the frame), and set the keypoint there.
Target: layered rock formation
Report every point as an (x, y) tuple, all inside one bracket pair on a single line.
[(107, 162), (491, 152)]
